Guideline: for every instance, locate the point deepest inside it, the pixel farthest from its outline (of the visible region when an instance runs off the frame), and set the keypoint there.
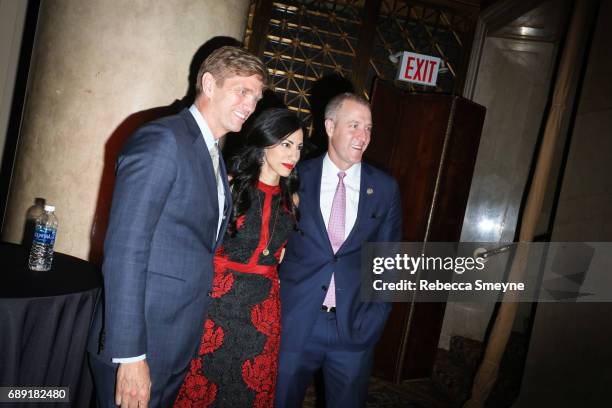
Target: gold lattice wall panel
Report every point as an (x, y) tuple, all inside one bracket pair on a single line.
[(307, 40), (301, 41), (411, 26)]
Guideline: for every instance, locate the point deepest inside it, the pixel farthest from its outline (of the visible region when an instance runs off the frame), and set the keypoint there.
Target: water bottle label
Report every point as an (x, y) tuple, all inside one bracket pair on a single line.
[(44, 236)]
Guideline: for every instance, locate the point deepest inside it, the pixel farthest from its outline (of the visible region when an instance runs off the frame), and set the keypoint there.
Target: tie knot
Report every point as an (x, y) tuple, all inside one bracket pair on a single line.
[(341, 175)]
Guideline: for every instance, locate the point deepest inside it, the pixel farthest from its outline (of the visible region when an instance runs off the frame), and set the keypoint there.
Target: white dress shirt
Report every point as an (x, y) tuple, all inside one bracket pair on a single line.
[(329, 182), (210, 142)]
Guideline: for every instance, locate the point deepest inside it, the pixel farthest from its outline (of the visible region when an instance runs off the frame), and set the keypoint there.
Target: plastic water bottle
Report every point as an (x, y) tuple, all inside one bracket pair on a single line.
[(41, 254)]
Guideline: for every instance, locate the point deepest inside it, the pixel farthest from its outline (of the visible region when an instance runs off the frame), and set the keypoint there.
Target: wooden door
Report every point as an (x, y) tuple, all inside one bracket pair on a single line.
[(428, 142)]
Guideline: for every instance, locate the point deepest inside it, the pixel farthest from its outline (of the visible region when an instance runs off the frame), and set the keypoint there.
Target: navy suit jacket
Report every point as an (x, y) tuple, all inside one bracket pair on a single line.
[(158, 251), (309, 260)]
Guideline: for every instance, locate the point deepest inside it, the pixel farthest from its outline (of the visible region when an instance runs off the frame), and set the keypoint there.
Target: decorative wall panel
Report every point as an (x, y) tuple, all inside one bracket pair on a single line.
[(302, 41)]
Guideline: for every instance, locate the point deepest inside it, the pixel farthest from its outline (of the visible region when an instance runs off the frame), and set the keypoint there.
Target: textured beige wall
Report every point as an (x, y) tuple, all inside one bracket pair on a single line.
[(12, 18), (95, 64)]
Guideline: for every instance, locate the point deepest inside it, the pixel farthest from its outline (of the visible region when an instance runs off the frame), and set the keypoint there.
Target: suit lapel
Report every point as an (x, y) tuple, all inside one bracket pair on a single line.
[(205, 161), (200, 148), (365, 204), (312, 190), (227, 206), (312, 193)]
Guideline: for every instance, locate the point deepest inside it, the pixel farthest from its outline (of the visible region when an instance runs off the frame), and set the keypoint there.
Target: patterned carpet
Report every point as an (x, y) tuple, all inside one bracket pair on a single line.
[(451, 380), (383, 394)]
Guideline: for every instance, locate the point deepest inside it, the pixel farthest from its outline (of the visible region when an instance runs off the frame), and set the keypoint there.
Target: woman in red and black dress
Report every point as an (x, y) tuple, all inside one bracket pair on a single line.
[(238, 355)]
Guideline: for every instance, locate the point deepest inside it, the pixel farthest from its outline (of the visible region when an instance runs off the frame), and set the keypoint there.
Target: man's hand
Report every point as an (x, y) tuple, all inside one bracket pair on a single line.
[(133, 388)]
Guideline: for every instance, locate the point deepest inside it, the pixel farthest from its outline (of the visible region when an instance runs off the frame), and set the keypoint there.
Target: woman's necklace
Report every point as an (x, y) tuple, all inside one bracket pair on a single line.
[(266, 251)]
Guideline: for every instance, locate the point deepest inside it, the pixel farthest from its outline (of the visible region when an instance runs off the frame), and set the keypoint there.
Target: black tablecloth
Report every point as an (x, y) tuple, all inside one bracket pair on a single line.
[(44, 321)]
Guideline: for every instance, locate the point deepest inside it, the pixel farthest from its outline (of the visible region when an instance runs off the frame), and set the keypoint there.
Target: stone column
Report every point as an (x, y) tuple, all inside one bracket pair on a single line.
[(12, 18), (98, 69)]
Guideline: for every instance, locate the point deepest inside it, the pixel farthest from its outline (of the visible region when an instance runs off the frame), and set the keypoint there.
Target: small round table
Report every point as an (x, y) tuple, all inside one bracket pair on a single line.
[(44, 322)]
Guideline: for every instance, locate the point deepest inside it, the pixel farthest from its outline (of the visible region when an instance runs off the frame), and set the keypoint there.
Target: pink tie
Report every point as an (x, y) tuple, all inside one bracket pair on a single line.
[(335, 231)]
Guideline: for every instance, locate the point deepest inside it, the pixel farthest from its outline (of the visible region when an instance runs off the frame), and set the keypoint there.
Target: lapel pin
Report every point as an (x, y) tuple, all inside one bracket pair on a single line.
[(370, 191)]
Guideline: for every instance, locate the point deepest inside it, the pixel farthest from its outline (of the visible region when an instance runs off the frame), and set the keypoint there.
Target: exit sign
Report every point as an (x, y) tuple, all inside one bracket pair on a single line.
[(419, 69)]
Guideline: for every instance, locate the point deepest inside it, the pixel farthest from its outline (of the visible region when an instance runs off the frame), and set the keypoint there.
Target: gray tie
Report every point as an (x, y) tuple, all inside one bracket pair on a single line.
[(214, 156)]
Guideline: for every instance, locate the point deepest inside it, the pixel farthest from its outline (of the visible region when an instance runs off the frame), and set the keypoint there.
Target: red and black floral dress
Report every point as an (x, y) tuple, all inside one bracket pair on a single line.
[(238, 355)]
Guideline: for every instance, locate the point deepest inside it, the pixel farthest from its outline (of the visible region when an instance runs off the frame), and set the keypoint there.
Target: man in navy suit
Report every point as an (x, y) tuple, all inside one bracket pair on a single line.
[(167, 218), (343, 203)]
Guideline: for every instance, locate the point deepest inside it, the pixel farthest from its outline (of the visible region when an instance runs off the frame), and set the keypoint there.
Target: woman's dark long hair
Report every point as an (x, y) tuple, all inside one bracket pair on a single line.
[(270, 128)]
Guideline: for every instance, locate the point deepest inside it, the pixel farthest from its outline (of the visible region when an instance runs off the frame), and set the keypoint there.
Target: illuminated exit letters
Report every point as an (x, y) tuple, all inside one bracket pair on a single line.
[(419, 69)]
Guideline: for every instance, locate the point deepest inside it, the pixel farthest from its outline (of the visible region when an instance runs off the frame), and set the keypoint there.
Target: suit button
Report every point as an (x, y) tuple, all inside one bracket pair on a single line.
[(323, 288), (335, 259), (209, 293)]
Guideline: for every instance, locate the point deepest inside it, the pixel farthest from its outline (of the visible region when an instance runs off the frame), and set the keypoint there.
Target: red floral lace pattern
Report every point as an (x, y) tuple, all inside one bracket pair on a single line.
[(260, 373), (196, 390), (222, 283)]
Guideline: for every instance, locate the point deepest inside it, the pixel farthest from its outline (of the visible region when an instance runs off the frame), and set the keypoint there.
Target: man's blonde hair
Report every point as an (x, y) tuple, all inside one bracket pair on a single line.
[(231, 61)]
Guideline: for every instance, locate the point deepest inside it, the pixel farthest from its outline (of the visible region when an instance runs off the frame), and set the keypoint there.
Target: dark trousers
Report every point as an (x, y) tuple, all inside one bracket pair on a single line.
[(164, 388), (346, 373)]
